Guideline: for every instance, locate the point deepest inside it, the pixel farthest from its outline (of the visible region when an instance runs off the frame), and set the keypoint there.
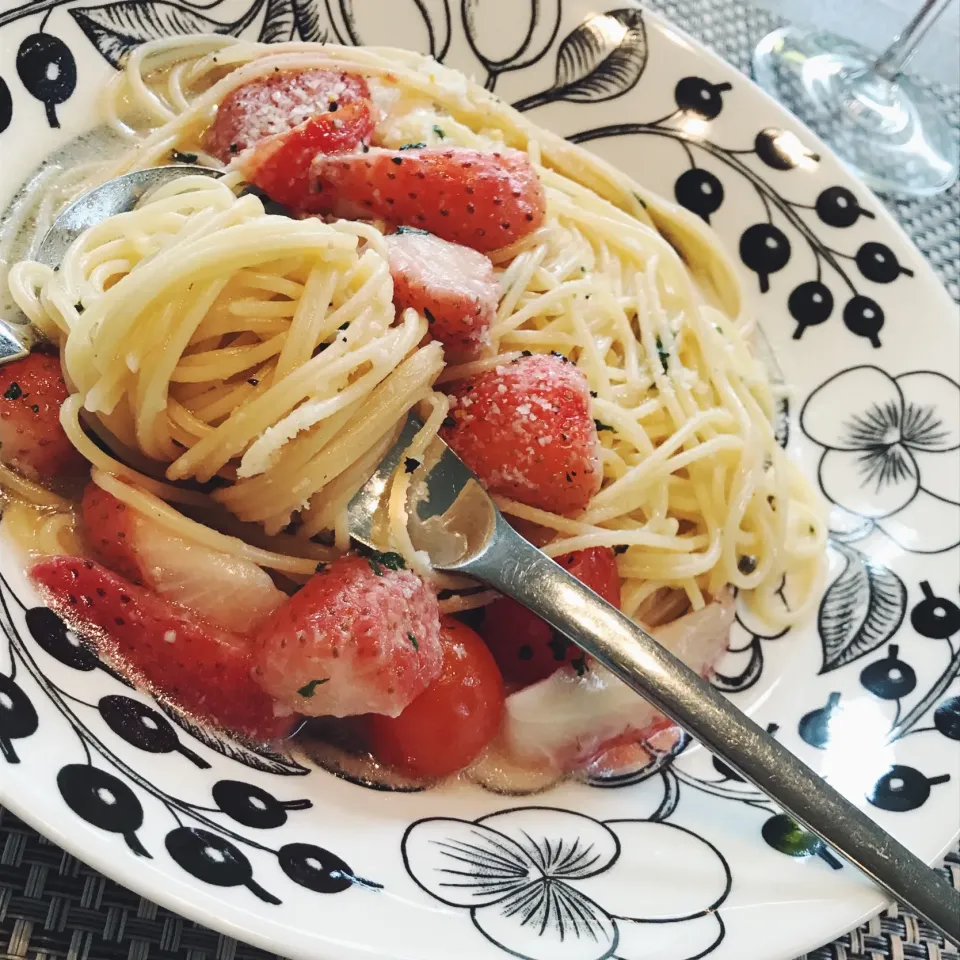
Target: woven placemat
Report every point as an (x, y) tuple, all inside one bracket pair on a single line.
[(53, 907)]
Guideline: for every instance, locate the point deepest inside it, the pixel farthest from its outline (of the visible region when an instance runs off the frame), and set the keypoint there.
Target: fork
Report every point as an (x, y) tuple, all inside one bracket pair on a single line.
[(463, 532)]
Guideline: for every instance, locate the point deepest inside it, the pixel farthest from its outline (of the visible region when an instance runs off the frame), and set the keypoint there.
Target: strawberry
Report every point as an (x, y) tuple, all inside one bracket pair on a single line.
[(482, 200), (232, 592), (32, 390), (278, 103), (525, 430), (453, 286), (280, 165), (198, 667), (363, 636), (527, 648)]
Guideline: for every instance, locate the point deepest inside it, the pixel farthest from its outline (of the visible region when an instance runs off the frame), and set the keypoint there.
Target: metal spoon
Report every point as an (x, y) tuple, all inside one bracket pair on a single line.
[(463, 532), (115, 196)]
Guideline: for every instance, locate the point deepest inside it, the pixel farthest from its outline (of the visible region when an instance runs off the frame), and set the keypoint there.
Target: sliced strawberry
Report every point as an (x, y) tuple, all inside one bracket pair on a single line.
[(278, 103), (280, 165), (32, 390), (196, 666), (482, 200), (453, 286), (528, 649), (363, 636), (525, 430), (232, 592)]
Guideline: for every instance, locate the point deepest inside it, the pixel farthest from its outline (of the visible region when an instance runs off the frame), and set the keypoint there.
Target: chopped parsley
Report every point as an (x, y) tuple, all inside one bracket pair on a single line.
[(413, 640), (177, 157), (429, 315), (390, 560), (309, 689), (663, 354), (413, 146), (13, 392), (601, 426), (406, 229), (411, 464), (439, 132)]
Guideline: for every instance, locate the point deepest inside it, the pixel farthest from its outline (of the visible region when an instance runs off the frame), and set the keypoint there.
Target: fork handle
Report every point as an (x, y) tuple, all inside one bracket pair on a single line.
[(515, 568), (15, 341)]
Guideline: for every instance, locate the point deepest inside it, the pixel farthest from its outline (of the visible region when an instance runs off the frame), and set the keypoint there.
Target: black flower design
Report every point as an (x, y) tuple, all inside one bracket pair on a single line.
[(891, 452), (548, 884)]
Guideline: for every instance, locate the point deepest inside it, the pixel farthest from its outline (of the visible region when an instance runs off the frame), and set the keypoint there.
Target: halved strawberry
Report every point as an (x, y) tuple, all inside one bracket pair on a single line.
[(232, 592), (525, 430), (528, 649), (363, 636), (278, 103), (280, 165), (32, 390), (196, 666), (482, 200), (453, 286)]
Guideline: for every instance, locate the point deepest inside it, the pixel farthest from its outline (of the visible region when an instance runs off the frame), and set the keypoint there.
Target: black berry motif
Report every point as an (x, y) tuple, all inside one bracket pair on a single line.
[(253, 806), (946, 718), (144, 728), (935, 617), (726, 771), (700, 97), (53, 637), (864, 317), (316, 869), (764, 249), (212, 859), (781, 150), (48, 71), (783, 833), (877, 262), (699, 191), (815, 726), (838, 207), (18, 718), (810, 304), (103, 800), (902, 788), (889, 678), (6, 105)]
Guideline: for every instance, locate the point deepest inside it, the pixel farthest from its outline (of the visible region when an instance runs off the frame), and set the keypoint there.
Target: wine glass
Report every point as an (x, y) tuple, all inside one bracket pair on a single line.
[(890, 129)]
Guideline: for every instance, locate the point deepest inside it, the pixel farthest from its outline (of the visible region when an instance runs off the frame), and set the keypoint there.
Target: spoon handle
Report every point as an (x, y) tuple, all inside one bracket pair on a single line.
[(515, 568)]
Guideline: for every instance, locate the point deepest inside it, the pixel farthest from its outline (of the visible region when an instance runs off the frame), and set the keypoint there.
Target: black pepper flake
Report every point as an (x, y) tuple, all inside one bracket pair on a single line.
[(526, 353), (560, 356), (78, 307), (177, 157), (620, 549), (601, 426), (593, 393), (747, 564), (429, 315), (320, 567), (365, 147), (414, 230), (410, 464), (449, 423), (663, 354), (334, 106), (253, 381), (35, 407), (234, 148), (580, 665), (397, 161), (309, 689), (13, 392), (569, 478), (413, 641)]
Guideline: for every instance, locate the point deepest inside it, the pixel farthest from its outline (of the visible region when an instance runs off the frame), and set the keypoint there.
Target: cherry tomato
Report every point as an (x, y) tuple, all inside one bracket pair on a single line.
[(447, 726), (528, 649)]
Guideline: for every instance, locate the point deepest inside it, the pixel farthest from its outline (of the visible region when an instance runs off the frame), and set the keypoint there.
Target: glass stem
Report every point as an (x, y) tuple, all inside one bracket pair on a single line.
[(891, 62)]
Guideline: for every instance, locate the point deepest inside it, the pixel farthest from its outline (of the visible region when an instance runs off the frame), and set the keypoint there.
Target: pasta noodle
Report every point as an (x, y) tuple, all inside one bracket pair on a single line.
[(254, 363)]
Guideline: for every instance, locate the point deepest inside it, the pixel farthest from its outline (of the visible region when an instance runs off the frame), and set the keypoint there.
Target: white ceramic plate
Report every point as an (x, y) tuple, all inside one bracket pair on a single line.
[(673, 863)]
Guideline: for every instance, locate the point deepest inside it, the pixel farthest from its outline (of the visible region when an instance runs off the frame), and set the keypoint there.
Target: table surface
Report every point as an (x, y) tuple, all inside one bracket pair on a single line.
[(53, 907)]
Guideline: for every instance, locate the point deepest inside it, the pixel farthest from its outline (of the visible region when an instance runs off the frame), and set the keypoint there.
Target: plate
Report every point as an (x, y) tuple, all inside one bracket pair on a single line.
[(678, 860)]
